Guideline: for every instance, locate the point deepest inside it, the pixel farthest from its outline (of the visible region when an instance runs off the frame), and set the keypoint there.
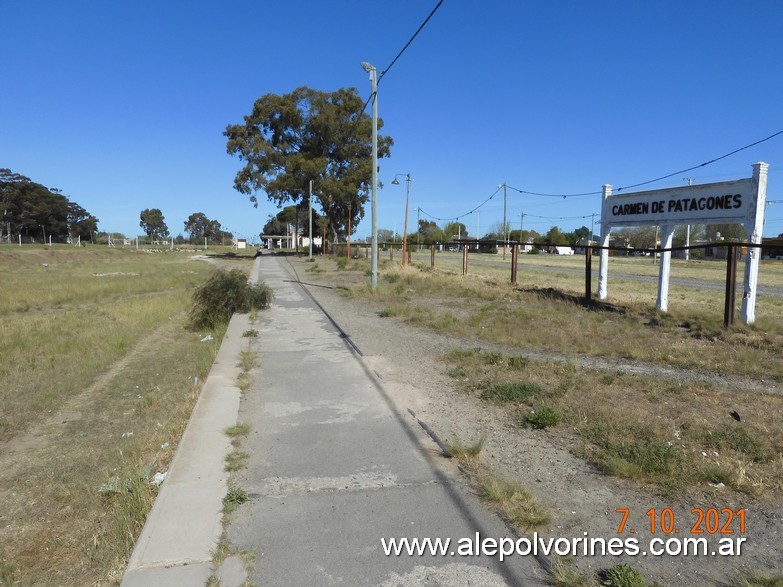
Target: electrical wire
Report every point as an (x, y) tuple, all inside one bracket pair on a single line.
[(456, 218), (553, 195), (734, 152), (385, 71), (594, 193), (426, 20)]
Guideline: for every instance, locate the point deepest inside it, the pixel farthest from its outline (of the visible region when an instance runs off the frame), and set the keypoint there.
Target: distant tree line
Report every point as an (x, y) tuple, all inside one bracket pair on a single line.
[(35, 212)]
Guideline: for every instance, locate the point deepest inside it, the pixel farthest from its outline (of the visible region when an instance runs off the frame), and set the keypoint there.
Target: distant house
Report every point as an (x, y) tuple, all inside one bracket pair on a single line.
[(772, 248)]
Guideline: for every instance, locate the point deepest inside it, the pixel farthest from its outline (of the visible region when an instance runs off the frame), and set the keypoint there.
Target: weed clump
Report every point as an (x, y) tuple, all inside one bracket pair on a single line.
[(543, 418), (624, 576), (517, 391), (223, 294)]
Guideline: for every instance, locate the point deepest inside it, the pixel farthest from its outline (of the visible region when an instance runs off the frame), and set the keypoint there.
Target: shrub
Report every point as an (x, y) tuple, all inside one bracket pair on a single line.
[(543, 418), (223, 294)]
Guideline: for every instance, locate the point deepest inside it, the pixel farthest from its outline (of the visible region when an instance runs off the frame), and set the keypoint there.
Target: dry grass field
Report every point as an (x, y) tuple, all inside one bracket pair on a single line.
[(98, 377)]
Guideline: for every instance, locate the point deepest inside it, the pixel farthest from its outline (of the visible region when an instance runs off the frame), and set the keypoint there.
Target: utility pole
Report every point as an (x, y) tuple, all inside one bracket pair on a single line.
[(374, 95), (688, 228), (505, 224), (311, 220)]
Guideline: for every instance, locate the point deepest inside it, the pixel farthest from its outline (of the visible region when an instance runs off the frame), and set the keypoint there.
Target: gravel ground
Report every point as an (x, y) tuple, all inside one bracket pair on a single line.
[(583, 502)]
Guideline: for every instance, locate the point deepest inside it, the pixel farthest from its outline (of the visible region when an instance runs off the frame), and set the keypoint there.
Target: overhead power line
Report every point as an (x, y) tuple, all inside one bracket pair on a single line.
[(426, 20), (734, 152), (468, 213), (385, 71), (594, 193)]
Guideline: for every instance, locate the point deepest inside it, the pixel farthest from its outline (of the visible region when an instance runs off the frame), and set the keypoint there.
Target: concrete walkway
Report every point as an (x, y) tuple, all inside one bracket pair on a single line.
[(334, 467)]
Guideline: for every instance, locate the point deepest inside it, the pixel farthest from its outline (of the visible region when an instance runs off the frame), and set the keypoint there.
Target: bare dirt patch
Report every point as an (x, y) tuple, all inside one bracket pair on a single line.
[(581, 498)]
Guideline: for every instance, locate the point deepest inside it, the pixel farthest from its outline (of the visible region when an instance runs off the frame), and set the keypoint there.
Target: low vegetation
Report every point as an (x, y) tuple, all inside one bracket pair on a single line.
[(618, 419), (511, 500), (98, 379), (546, 311), (225, 293)]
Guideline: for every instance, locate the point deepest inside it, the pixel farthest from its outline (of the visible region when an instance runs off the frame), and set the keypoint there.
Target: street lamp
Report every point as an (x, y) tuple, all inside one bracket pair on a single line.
[(405, 226), (374, 190)]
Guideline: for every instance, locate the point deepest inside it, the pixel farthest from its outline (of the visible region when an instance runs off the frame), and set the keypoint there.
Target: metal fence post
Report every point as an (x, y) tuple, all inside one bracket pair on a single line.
[(731, 282), (432, 256), (464, 260), (514, 259), (588, 274)]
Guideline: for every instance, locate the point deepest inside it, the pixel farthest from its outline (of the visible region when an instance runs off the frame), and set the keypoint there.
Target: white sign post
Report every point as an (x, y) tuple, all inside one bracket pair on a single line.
[(727, 202)]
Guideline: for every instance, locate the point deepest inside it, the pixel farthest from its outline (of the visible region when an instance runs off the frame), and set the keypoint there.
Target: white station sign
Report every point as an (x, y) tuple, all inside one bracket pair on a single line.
[(740, 201), (725, 202)]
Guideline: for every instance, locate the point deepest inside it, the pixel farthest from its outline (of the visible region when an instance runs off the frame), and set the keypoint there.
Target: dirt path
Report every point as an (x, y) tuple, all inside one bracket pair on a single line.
[(583, 501)]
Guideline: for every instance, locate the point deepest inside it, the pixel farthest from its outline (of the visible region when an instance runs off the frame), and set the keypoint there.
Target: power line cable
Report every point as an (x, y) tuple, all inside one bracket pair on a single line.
[(426, 20), (466, 213), (734, 152), (594, 193), (553, 195), (385, 71)]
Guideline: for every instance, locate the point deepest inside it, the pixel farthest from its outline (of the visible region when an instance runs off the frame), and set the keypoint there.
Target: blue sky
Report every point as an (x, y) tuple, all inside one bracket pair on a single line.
[(122, 105)]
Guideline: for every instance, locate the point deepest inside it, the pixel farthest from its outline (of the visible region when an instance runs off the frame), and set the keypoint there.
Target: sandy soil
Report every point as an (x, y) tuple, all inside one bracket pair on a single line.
[(581, 499)]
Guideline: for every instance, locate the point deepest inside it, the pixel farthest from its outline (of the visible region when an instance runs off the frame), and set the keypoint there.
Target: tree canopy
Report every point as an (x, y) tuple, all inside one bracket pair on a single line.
[(31, 210), (308, 135), (199, 227), (153, 223), (293, 215)]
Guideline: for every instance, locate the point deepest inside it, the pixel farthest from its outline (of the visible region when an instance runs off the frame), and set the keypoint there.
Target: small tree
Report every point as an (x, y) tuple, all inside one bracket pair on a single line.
[(200, 227), (430, 232), (454, 230), (153, 223)]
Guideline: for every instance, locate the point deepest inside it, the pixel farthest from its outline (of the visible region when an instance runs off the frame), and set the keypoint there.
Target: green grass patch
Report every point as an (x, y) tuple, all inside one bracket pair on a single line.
[(235, 460), (238, 429), (513, 391), (624, 576), (235, 497), (543, 418)]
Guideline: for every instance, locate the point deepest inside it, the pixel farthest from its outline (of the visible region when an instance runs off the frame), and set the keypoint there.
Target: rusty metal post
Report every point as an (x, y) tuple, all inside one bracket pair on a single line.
[(588, 274), (731, 283), (409, 255), (514, 259), (432, 256), (464, 260), (391, 253)]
